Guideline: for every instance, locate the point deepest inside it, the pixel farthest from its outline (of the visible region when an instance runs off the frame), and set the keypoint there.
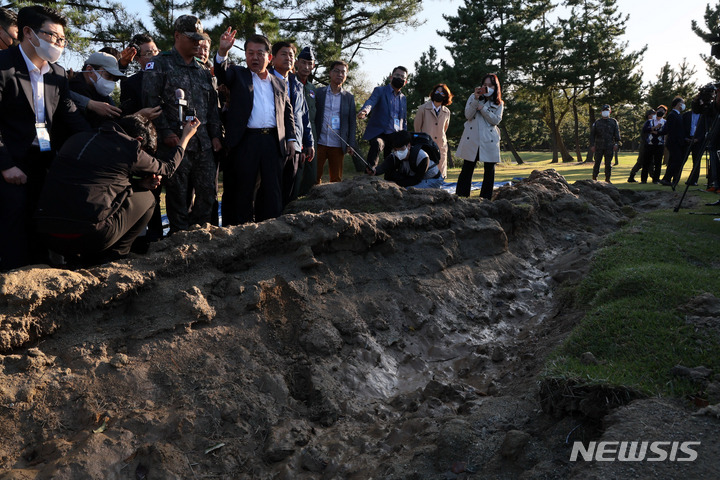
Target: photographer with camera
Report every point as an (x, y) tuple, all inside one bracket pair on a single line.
[(695, 125), (90, 204)]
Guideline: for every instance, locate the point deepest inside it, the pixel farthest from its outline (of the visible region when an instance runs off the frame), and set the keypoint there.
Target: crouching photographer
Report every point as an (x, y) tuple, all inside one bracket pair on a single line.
[(91, 206), (408, 165)]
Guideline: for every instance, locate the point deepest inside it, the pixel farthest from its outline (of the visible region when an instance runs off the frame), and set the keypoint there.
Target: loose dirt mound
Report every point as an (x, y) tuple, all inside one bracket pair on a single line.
[(371, 332)]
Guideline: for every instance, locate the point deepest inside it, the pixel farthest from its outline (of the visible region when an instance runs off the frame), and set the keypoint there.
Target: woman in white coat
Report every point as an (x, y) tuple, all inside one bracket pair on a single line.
[(481, 137)]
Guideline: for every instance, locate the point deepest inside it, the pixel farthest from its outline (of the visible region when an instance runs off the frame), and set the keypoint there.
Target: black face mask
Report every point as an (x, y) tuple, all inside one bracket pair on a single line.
[(397, 82), (660, 114), (436, 97)]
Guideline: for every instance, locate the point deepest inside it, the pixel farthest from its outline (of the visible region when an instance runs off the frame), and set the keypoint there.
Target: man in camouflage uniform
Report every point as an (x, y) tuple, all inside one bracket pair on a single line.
[(304, 66), (604, 141), (175, 69)]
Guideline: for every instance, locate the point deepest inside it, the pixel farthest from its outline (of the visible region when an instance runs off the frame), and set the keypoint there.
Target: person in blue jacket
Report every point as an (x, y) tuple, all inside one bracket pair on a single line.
[(387, 109)]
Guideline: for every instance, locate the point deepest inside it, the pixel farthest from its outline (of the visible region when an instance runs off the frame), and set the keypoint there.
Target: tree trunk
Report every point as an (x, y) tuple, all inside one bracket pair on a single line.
[(510, 144), (577, 130), (553, 128), (566, 157)]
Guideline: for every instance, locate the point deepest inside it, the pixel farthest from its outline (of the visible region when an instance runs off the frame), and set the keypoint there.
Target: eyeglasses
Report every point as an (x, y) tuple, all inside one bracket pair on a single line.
[(150, 53), (441, 92), (56, 39)]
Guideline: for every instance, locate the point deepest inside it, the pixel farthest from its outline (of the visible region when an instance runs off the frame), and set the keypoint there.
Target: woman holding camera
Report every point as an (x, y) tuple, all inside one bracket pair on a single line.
[(481, 137), (433, 118)]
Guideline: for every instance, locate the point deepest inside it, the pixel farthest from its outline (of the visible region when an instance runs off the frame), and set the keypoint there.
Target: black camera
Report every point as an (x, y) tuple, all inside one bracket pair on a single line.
[(705, 100)]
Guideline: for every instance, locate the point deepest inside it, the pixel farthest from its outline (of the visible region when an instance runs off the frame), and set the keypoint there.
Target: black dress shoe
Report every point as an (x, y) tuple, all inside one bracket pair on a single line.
[(692, 184), (665, 182), (631, 180)]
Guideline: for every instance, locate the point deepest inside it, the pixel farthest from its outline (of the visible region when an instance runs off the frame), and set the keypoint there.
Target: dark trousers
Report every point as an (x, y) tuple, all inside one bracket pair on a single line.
[(675, 163), (378, 143), (115, 235), (697, 154), (306, 177), (155, 226), (652, 162), (291, 169), (606, 153), (252, 180), (19, 242), (465, 179), (197, 172), (639, 162)]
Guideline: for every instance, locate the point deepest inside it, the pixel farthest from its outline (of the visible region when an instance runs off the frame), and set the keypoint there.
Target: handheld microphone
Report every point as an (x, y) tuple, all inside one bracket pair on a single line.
[(180, 102)]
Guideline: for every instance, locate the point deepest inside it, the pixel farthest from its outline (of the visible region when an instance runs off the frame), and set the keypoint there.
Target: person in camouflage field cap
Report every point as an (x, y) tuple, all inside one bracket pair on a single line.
[(169, 72), (604, 142)]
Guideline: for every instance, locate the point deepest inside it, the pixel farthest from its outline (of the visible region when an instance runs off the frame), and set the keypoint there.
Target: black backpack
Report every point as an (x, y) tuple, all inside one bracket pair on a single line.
[(424, 141)]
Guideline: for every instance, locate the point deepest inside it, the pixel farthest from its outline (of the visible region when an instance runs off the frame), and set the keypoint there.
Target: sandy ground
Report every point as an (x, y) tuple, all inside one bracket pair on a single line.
[(372, 332)]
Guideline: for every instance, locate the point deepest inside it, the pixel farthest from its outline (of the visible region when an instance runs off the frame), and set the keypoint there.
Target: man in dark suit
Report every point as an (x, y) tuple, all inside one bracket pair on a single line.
[(389, 114), (131, 87), (283, 60), (695, 126), (675, 142), (260, 133), (335, 121), (34, 90), (8, 28)]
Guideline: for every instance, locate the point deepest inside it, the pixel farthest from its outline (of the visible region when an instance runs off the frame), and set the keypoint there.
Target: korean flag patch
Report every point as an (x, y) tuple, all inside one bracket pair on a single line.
[(150, 66), (311, 93)]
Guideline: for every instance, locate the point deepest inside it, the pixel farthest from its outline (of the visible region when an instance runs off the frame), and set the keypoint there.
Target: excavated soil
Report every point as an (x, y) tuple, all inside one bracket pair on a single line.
[(371, 332)]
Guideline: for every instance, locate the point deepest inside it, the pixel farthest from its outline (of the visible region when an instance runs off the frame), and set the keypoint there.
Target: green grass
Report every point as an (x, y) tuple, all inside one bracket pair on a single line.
[(634, 323), (508, 170)]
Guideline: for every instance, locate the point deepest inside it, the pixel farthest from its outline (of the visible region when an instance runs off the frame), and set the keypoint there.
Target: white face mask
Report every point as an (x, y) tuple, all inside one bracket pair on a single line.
[(46, 50), (401, 154), (682, 107), (102, 86), (606, 113), (489, 92)]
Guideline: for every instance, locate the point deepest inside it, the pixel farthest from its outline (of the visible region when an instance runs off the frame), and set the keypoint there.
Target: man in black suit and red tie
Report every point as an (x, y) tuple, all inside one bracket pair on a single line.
[(34, 98), (260, 130)]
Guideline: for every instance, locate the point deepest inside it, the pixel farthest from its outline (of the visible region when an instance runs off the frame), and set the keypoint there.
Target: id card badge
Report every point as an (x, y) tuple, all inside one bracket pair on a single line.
[(43, 137), (397, 125), (335, 122)]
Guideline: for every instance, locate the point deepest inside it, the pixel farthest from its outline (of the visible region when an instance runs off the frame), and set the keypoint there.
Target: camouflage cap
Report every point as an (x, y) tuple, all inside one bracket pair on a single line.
[(190, 25), (307, 54)]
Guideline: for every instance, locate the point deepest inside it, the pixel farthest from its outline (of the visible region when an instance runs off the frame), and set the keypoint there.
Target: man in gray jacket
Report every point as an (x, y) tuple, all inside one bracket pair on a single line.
[(335, 123)]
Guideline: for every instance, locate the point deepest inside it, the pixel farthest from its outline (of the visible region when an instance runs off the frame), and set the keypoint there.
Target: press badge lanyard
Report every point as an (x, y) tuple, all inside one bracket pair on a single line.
[(43, 135), (335, 120)]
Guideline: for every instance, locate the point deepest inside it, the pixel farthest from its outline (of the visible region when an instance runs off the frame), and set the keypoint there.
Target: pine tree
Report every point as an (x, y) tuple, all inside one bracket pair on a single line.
[(599, 67), (495, 36), (711, 36), (342, 29)]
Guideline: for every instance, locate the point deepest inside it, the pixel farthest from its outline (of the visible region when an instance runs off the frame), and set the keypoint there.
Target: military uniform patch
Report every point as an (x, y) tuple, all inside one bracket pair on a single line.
[(150, 66)]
